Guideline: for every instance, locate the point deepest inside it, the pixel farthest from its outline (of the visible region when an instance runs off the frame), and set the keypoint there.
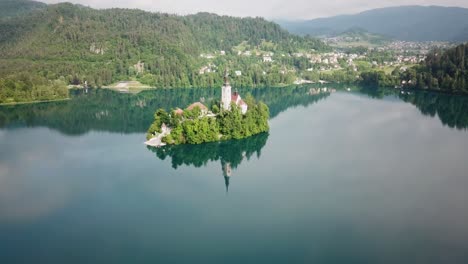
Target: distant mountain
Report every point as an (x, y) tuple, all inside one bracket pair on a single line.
[(411, 23), (12, 8), (360, 35)]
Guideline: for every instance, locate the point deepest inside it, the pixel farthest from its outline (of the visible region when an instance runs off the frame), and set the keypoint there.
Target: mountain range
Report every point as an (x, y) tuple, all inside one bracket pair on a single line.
[(409, 23)]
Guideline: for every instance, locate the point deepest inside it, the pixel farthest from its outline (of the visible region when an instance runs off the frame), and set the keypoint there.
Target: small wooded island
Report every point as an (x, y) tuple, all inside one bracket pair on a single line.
[(234, 118)]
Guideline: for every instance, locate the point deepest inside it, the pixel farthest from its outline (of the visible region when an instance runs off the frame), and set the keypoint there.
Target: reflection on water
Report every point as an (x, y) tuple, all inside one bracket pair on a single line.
[(347, 180), (452, 110), (229, 153), (106, 110)]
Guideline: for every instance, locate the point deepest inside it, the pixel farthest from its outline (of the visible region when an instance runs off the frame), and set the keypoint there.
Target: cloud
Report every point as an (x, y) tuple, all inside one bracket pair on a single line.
[(291, 9)]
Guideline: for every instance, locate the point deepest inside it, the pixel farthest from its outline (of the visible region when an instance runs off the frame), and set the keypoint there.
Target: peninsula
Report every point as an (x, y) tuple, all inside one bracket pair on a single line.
[(232, 118)]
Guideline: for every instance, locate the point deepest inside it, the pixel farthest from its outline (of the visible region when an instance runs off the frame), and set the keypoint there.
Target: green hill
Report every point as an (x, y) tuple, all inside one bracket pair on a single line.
[(357, 37), (360, 34), (77, 44), (13, 8)]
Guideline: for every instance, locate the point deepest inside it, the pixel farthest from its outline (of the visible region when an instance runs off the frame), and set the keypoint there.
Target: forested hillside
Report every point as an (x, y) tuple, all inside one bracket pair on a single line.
[(446, 70), (77, 44), (12, 8)]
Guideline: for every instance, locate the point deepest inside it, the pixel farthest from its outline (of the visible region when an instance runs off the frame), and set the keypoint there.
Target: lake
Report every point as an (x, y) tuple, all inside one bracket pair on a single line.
[(349, 177)]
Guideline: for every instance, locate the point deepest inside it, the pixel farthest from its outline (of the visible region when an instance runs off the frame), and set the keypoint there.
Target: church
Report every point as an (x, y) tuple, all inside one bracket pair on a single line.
[(227, 97)]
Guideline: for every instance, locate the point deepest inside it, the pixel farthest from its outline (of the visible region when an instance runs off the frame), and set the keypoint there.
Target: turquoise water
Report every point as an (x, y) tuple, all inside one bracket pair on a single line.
[(347, 177)]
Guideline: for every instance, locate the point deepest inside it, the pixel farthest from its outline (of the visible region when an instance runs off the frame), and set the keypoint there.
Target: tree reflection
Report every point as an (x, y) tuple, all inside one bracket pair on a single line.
[(229, 153), (452, 110), (107, 110)]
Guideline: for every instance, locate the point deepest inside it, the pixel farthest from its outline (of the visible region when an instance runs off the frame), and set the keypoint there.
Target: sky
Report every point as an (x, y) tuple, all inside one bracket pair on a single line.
[(272, 9)]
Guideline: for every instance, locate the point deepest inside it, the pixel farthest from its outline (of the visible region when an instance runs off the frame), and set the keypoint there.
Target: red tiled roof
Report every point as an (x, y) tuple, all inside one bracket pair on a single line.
[(179, 111), (234, 97), (200, 105)]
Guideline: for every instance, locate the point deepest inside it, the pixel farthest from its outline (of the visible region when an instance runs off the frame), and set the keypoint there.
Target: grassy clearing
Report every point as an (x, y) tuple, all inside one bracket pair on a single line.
[(128, 87)]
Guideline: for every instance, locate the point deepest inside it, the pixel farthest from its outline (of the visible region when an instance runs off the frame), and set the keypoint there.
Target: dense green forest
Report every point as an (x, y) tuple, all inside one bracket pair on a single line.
[(442, 70), (78, 44), (28, 88)]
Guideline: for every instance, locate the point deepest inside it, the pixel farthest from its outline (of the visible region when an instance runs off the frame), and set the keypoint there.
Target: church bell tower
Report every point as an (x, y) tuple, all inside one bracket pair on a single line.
[(226, 93)]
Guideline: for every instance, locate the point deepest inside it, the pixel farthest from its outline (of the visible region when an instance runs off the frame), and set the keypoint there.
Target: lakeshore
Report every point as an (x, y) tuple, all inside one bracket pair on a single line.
[(35, 102)]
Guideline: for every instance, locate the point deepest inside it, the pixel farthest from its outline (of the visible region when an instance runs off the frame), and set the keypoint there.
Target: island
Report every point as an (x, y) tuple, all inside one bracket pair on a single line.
[(234, 118)]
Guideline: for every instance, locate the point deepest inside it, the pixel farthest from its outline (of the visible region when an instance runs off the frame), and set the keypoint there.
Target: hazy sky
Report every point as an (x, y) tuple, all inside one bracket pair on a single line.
[(299, 9)]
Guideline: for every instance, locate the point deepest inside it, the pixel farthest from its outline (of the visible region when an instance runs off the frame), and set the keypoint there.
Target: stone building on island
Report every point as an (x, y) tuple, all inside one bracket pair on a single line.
[(202, 107)]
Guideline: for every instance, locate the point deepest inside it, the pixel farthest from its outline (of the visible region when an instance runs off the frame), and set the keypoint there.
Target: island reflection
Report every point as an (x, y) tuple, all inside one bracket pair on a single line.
[(230, 154), (111, 111)]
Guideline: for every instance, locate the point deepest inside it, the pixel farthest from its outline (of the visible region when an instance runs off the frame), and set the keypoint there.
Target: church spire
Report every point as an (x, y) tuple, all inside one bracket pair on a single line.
[(227, 172), (226, 182), (226, 77)]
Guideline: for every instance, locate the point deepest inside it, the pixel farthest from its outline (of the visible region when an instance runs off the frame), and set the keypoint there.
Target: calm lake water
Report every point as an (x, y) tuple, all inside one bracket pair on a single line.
[(347, 177)]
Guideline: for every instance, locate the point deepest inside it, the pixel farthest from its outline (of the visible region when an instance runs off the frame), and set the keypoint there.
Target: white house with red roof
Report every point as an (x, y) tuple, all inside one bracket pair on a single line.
[(236, 98)]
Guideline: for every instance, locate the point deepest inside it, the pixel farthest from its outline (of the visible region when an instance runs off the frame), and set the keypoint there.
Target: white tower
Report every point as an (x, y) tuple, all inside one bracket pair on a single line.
[(226, 93)]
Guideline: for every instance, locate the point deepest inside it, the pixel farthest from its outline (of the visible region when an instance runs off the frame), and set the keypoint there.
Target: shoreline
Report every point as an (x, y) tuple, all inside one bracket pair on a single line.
[(35, 102), (439, 91)]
